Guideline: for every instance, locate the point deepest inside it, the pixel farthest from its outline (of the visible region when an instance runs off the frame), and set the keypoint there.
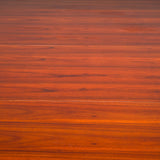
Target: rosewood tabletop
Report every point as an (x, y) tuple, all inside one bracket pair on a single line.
[(79, 80)]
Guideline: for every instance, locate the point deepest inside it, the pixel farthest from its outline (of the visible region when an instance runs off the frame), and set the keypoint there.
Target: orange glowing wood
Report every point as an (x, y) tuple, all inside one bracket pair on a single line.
[(79, 80)]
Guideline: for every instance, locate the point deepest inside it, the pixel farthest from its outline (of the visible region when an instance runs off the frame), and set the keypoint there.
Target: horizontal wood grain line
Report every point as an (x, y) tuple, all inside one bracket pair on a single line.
[(83, 112), (126, 5), (140, 15), (82, 39), (104, 24), (79, 101), (80, 19), (100, 46), (73, 50), (108, 155), (80, 122), (120, 33), (63, 151), (36, 62), (78, 91)]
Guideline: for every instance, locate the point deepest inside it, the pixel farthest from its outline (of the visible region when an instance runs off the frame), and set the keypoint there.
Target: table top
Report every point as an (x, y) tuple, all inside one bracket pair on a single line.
[(80, 80)]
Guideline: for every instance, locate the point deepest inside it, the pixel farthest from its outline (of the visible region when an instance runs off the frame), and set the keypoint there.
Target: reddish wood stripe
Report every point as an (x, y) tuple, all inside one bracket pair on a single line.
[(80, 72), (100, 129)]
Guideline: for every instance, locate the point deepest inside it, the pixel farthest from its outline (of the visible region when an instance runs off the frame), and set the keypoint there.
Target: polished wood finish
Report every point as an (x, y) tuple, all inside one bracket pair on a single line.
[(80, 72), (76, 129), (79, 80)]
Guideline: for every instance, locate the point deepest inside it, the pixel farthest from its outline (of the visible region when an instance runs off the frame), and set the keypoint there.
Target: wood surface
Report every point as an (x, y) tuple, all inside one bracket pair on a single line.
[(80, 80)]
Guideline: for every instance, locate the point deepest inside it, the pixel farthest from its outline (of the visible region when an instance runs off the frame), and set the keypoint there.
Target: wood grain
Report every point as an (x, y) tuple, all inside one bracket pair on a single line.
[(93, 130), (80, 80), (80, 72)]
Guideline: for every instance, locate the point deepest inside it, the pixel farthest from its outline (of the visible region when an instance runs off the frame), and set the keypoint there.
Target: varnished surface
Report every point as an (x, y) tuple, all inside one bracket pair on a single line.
[(80, 80), (80, 72), (73, 130)]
